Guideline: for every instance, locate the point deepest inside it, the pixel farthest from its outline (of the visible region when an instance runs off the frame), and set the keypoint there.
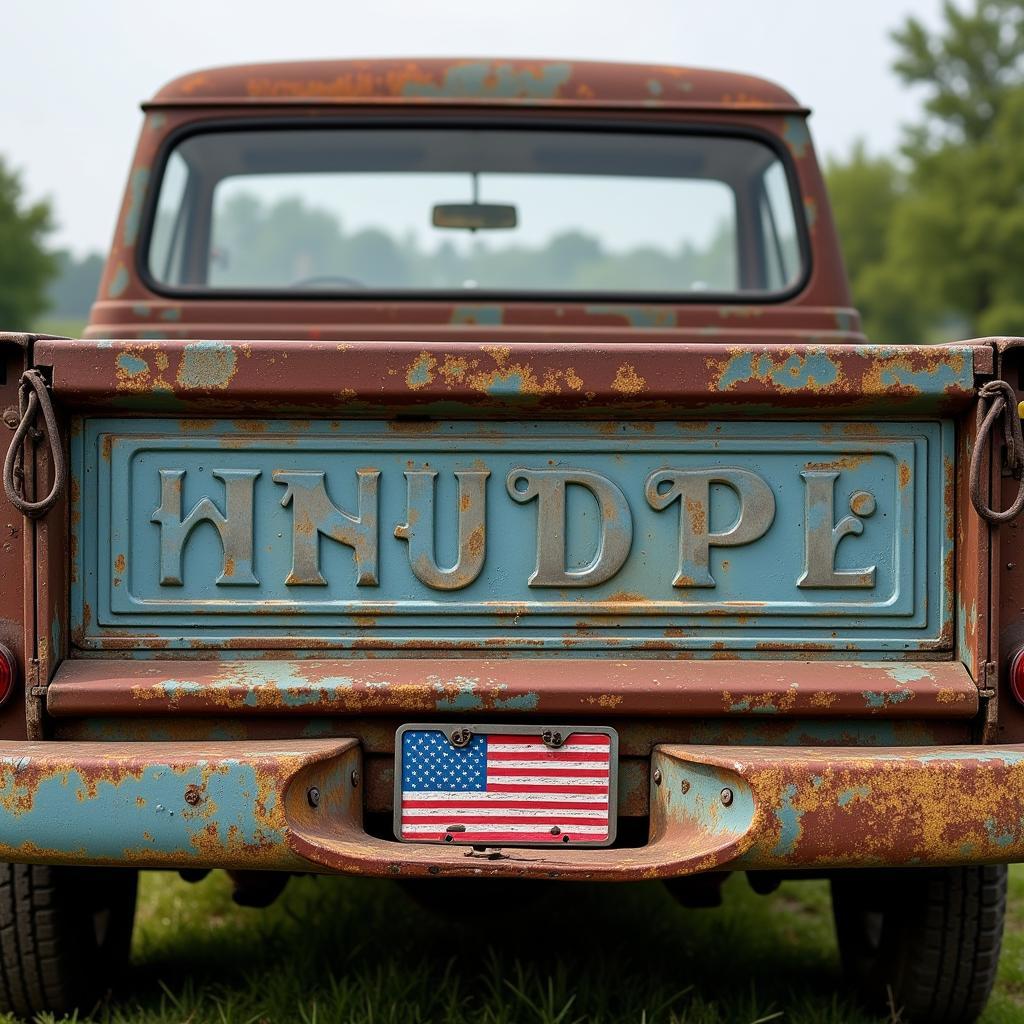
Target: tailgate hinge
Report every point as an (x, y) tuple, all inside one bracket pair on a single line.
[(988, 697), (35, 701)]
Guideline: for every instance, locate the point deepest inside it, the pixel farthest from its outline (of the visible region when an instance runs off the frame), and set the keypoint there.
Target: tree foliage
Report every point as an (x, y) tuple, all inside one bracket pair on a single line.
[(946, 234), (25, 265)]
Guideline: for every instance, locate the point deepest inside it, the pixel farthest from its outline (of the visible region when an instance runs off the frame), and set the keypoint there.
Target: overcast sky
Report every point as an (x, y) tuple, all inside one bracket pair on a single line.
[(74, 71)]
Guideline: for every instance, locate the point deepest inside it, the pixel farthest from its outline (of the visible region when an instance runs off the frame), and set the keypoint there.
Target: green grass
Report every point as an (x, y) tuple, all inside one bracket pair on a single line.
[(350, 950)]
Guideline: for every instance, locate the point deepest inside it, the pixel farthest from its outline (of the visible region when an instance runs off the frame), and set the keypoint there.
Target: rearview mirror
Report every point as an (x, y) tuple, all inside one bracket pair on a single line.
[(474, 216)]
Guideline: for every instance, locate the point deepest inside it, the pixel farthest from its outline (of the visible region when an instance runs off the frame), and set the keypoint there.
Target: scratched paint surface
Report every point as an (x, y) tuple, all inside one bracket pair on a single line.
[(342, 529)]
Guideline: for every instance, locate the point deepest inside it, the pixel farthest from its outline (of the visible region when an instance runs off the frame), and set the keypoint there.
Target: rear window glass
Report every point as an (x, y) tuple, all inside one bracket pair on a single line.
[(453, 210)]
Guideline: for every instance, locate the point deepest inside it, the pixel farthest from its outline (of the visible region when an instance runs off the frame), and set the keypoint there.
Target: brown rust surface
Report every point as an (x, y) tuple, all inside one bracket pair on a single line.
[(489, 80), (374, 378), (590, 687)]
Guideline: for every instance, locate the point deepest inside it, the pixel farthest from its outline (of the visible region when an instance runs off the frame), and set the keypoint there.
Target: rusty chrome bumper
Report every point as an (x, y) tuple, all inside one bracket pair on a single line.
[(248, 805)]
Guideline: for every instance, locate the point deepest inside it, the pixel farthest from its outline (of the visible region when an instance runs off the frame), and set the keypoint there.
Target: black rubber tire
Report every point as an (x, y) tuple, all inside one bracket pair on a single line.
[(65, 935), (922, 942)]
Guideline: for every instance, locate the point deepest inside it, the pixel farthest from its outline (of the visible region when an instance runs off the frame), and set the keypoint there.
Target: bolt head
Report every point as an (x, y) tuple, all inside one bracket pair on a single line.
[(355, 778), (193, 795), (657, 776), (313, 796), (726, 797), (684, 786)]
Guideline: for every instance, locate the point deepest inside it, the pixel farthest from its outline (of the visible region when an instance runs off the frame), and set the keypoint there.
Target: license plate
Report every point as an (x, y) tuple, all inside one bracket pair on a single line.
[(505, 785)]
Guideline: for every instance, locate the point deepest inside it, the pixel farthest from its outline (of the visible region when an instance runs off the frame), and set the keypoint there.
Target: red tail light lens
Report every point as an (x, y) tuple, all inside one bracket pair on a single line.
[(8, 673), (1017, 675)]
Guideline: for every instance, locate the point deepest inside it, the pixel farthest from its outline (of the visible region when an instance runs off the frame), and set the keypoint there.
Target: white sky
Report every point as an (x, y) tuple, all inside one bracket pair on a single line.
[(75, 71)]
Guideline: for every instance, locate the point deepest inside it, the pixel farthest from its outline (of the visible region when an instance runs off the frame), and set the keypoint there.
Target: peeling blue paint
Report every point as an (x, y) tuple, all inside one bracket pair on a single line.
[(881, 698), (637, 316), (796, 135), (490, 316), (797, 372), (142, 812), (118, 283), (789, 818), (854, 793), (136, 194), (489, 80)]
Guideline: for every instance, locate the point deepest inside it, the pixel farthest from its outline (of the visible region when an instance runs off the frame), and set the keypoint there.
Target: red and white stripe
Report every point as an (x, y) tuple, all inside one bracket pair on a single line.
[(531, 789)]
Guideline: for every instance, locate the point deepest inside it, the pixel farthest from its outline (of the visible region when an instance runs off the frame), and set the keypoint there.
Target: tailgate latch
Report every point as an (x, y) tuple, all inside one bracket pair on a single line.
[(33, 398)]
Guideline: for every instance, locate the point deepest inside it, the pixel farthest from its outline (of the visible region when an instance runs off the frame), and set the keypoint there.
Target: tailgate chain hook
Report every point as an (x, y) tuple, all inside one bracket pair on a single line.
[(1000, 399), (33, 397)]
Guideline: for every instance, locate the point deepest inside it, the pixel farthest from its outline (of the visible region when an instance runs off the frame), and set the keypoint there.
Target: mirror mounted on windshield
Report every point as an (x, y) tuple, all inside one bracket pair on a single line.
[(474, 216)]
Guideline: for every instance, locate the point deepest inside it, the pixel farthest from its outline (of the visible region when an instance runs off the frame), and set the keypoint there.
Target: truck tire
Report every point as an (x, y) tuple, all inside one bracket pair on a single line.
[(65, 935), (922, 942)]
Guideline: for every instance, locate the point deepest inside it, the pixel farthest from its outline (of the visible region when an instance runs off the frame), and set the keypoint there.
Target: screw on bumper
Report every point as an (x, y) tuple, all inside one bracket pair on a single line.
[(249, 806)]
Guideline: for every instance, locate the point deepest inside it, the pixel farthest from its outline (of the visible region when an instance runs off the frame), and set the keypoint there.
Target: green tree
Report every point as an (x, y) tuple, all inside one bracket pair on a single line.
[(867, 192), (959, 235), (25, 265)]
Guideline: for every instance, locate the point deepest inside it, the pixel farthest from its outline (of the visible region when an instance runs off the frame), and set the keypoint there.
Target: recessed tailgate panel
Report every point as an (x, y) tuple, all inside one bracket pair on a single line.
[(757, 535)]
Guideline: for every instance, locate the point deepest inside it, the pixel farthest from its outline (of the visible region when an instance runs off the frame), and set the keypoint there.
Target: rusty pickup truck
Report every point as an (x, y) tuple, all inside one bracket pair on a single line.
[(474, 469)]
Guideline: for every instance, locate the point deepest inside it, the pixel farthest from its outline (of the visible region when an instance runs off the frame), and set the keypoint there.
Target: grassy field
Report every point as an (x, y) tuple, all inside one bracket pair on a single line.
[(340, 950)]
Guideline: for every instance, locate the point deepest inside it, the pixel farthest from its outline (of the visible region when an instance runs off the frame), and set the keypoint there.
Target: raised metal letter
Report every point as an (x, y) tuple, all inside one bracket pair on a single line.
[(234, 525), (692, 488), (822, 538), (418, 529), (314, 513), (615, 524)]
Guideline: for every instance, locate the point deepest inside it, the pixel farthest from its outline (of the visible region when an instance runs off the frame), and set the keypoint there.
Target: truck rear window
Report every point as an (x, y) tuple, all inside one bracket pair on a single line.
[(454, 210)]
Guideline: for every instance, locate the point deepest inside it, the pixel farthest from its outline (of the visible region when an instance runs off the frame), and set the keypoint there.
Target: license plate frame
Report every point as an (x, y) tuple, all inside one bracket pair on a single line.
[(558, 840)]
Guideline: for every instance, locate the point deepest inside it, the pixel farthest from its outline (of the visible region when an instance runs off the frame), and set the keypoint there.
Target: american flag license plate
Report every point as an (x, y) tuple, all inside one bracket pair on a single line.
[(505, 785)]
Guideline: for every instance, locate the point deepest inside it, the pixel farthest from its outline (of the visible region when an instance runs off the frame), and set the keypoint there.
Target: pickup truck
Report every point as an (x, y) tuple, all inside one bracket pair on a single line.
[(475, 470)]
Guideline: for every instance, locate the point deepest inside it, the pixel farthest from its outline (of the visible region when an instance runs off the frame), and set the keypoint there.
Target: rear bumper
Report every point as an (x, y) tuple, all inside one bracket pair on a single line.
[(247, 805)]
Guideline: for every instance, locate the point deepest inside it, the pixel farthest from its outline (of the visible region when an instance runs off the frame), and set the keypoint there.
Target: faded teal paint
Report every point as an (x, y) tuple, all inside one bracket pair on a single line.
[(491, 80), (810, 212), (132, 365), (854, 793), (654, 87), (845, 320), (788, 817), (908, 673), (490, 316), (797, 372), (637, 316), (881, 698), (171, 313), (144, 811), (996, 837), (137, 183), (942, 377), (419, 375), (115, 464), (796, 136), (56, 651), (207, 365), (506, 384), (141, 310), (118, 283)]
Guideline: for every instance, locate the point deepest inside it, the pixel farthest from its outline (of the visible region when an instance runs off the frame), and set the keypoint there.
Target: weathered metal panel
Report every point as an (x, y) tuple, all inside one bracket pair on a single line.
[(440, 81), (542, 380), (152, 805), (251, 806), (774, 535), (598, 688)]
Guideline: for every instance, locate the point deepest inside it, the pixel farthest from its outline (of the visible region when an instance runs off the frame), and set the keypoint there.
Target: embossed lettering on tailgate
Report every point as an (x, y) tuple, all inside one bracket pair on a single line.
[(761, 536)]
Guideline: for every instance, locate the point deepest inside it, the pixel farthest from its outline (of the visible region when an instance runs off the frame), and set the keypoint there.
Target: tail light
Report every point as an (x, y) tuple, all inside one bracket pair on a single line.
[(8, 673), (1017, 675)]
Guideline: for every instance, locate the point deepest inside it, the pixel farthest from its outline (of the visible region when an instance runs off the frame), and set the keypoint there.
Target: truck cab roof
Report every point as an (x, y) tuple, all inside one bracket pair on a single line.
[(484, 80)]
